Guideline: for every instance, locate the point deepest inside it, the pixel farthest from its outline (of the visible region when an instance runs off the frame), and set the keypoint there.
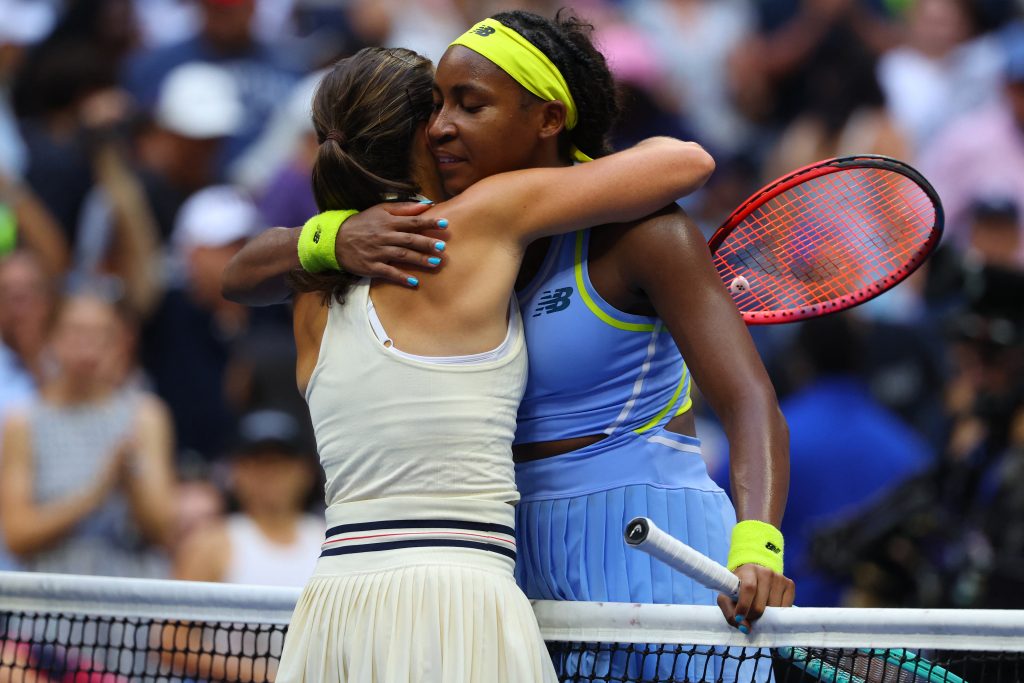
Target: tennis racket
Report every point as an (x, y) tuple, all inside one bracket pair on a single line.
[(860, 665), (826, 237)]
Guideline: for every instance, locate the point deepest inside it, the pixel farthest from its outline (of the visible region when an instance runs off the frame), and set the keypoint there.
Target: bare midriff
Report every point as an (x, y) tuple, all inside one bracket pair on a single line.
[(525, 452)]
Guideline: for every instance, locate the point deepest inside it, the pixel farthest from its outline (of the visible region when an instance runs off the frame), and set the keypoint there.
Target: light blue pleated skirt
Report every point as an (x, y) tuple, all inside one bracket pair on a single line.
[(569, 531)]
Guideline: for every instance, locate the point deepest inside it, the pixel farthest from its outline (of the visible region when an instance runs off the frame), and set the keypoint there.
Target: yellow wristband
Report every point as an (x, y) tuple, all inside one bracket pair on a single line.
[(317, 240), (756, 542)]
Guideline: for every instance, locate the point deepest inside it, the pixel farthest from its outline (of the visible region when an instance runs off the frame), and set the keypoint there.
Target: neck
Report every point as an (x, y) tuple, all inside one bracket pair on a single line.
[(277, 525), (67, 391)]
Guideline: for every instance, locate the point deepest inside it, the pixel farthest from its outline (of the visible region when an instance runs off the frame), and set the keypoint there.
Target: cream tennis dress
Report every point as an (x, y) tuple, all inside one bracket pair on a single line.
[(414, 583)]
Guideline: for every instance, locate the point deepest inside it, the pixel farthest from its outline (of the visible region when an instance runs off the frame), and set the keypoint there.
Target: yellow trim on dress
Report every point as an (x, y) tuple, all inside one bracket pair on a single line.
[(591, 304), (671, 402)]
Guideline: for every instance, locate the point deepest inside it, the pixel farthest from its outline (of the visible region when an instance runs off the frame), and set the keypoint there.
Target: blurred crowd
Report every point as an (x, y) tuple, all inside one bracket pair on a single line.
[(152, 428)]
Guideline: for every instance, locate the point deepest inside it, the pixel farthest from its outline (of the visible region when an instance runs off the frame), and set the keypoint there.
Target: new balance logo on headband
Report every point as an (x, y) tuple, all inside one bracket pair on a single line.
[(483, 31), (553, 301)]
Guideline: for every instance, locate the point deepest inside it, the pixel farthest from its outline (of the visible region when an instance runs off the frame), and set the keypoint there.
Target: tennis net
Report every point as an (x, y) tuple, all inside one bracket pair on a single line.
[(76, 629)]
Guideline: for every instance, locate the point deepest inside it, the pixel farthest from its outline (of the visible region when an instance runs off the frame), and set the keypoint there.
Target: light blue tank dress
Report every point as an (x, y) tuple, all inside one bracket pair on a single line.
[(597, 370)]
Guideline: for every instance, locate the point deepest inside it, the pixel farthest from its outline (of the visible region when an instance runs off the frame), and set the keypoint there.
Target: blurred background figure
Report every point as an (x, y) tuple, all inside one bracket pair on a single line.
[(144, 177), (188, 342), (227, 38), (87, 475), (270, 538), (846, 449), (981, 154), (27, 303), (693, 41), (942, 69), (22, 23)]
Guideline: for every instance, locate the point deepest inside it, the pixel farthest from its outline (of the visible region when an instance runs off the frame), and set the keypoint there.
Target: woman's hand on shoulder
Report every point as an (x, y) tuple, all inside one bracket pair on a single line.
[(378, 242), (760, 587)]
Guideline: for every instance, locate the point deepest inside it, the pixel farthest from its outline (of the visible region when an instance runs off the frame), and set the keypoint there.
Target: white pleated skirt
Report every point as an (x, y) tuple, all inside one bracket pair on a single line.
[(414, 615)]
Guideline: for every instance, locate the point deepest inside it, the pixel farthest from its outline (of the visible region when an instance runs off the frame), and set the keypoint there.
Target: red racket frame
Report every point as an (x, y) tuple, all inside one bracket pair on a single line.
[(816, 170)]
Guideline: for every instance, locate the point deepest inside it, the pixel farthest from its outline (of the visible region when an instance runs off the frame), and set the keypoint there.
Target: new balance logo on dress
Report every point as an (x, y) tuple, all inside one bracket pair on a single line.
[(553, 301)]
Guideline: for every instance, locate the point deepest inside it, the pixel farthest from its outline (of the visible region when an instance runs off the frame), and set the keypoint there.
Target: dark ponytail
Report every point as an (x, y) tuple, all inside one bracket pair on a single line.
[(365, 113), (567, 42)]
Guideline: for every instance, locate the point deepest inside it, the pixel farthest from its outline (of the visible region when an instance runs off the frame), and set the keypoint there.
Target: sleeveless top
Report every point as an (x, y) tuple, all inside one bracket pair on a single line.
[(71, 445), (390, 424), (593, 368), (255, 559)]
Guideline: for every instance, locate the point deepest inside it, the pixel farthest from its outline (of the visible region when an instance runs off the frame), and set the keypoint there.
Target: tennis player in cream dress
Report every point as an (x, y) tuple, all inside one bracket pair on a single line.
[(413, 391)]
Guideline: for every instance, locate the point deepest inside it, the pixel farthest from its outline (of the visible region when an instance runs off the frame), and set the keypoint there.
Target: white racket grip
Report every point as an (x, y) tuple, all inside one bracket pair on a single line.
[(644, 534)]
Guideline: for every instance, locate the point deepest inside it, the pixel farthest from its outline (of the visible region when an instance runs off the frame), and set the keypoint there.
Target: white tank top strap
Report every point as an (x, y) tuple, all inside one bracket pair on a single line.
[(501, 351)]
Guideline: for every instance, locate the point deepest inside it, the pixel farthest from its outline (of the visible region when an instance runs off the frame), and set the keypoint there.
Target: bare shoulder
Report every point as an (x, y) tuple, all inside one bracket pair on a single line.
[(151, 409), (669, 227)]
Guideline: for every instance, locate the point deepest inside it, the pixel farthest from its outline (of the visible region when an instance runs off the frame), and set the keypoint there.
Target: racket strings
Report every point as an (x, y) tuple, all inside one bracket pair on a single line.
[(831, 241)]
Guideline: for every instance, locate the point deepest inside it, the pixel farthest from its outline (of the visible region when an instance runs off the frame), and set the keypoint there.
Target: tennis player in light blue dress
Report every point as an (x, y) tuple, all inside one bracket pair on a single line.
[(598, 370)]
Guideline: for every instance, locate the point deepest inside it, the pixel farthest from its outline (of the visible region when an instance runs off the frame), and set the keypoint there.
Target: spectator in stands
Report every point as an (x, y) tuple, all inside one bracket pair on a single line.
[(73, 72), (271, 539), (130, 215), (944, 69), (26, 305), (86, 475), (278, 166), (982, 153), (845, 449), (226, 38), (22, 23), (27, 300), (994, 239), (694, 40), (188, 342)]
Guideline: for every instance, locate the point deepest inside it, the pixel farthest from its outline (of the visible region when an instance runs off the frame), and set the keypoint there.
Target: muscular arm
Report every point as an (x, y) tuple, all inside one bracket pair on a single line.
[(667, 258)]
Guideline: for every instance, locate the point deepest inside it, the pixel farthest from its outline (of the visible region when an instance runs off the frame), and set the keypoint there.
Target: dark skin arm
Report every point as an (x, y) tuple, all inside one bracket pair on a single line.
[(378, 242), (664, 265)]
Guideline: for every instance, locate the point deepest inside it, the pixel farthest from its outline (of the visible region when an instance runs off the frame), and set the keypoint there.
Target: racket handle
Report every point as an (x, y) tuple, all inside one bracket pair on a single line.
[(644, 534)]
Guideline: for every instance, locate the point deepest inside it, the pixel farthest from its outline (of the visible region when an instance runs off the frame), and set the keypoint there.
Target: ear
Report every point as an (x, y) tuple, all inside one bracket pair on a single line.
[(553, 116)]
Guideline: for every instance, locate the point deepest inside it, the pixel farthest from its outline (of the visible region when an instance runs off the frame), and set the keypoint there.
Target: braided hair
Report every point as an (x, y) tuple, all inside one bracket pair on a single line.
[(566, 41)]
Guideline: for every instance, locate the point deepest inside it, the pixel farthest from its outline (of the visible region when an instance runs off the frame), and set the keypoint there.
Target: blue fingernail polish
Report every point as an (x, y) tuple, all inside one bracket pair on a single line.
[(413, 281), (426, 201), (739, 618), (443, 223), (434, 261), (439, 246), (744, 630)]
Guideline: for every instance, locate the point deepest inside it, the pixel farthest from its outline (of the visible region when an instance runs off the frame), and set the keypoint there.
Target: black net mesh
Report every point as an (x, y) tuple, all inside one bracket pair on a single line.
[(37, 648)]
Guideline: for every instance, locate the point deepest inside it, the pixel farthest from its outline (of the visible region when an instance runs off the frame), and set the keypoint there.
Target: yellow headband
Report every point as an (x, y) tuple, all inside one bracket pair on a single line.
[(521, 60)]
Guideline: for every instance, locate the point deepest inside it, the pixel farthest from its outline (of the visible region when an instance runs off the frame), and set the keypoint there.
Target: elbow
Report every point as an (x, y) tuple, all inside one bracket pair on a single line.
[(20, 541), (701, 163), (688, 166)]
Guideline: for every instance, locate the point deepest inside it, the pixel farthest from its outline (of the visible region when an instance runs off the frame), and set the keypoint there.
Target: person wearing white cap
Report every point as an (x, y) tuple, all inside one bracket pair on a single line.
[(132, 210), (225, 39), (212, 225), (188, 342)]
